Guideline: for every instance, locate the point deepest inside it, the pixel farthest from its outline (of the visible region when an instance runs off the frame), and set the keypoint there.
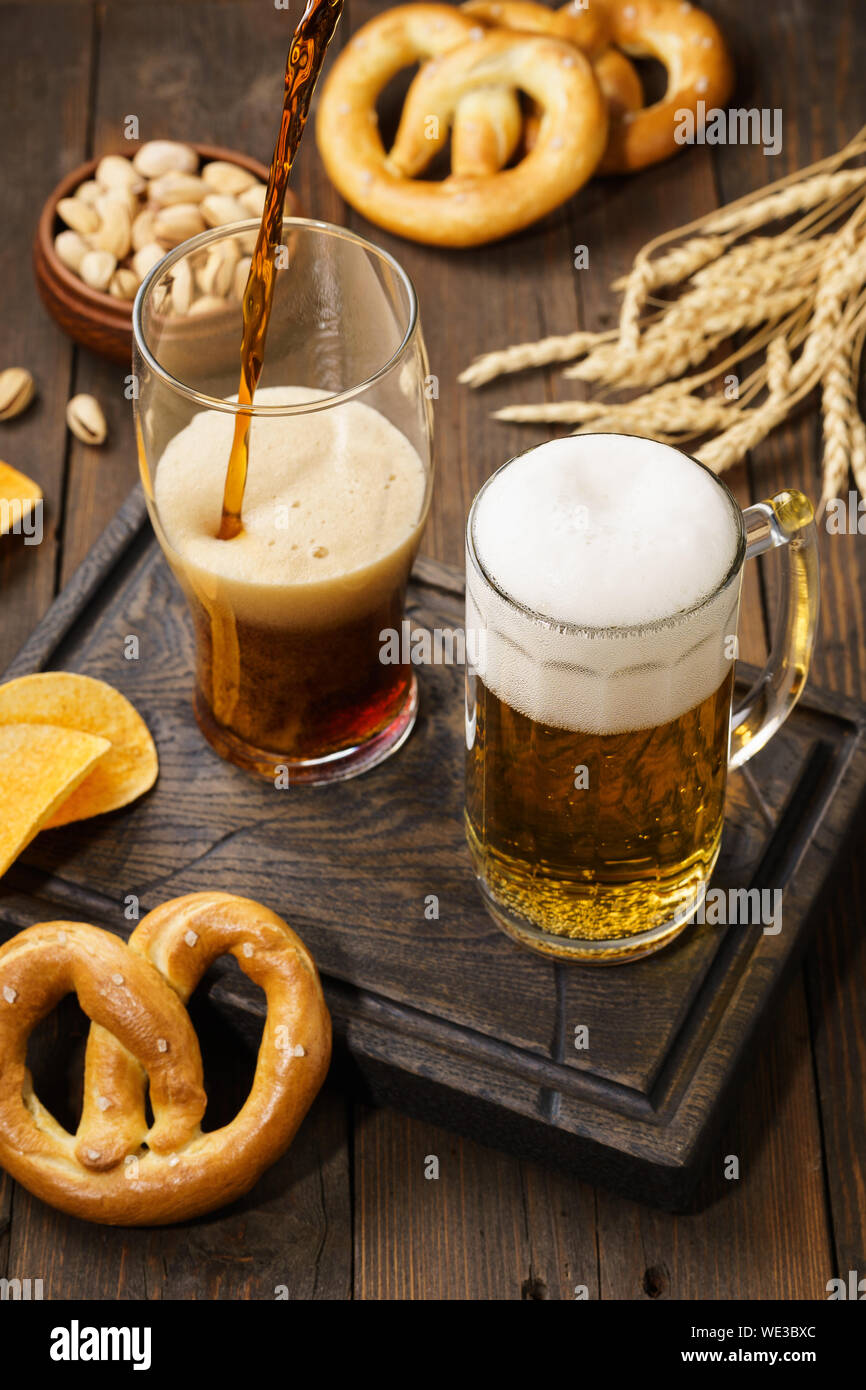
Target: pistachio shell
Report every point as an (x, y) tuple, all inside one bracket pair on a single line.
[(208, 304), (114, 233), (181, 287), (219, 208), (97, 268), (178, 223), (89, 191), (176, 187), (71, 248), (252, 200), (123, 284), (17, 389), (78, 215), (115, 171), (222, 177), (146, 258), (85, 419), (144, 229), (159, 156)]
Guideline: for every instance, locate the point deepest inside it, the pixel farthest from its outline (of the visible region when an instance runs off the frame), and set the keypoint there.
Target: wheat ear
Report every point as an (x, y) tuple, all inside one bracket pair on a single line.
[(843, 426), (563, 348)]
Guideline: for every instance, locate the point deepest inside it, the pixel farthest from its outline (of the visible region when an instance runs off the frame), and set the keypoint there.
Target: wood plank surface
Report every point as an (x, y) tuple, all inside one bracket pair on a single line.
[(42, 135), (169, 65), (614, 220), (290, 1234), (418, 1005), (723, 1250), (485, 1227), (490, 1226), (815, 82)]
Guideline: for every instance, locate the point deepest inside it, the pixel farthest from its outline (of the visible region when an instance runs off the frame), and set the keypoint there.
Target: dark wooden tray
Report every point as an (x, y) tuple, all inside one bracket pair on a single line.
[(443, 1018)]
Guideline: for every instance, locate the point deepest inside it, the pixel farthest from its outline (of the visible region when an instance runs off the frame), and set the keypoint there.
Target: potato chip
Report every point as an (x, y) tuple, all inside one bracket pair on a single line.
[(18, 496), (89, 706), (39, 766)]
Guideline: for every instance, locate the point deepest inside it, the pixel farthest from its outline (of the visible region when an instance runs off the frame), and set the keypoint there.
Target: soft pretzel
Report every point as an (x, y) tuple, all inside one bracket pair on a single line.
[(481, 128), (620, 83), (583, 25), (488, 127), (464, 209), (690, 46), (684, 39), (117, 1169)]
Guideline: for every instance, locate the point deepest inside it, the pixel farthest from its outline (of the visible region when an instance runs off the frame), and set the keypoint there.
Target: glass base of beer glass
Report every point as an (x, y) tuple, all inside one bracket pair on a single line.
[(310, 772), (609, 950)]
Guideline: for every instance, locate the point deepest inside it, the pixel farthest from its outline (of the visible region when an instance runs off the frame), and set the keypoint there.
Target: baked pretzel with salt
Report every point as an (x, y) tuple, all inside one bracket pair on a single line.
[(463, 62), (689, 45), (118, 1169), (680, 36), (618, 78)]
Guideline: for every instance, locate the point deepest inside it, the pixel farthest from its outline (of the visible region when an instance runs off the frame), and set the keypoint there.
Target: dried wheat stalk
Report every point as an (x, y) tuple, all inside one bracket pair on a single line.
[(843, 425), (793, 299)]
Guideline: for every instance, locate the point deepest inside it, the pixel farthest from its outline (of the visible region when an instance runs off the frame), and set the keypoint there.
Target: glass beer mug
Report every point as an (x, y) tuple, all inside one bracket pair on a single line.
[(603, 578), (287, 616)]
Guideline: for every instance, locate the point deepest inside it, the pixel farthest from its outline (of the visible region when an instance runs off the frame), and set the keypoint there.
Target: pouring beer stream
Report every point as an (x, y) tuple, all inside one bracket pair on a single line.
[(306, 56), (323, 516)]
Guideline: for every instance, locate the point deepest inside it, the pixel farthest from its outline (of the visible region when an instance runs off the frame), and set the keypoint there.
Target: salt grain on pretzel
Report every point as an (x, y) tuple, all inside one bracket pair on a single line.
[(117, 1169)]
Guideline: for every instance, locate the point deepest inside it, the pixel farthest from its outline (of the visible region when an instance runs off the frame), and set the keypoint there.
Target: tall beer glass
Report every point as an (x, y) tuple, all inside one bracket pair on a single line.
[(602, 595), (287, 616)]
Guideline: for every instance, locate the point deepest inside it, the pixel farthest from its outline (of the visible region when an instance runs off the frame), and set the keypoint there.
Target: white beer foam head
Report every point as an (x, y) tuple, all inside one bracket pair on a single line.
[(333, 508), (621, 547)]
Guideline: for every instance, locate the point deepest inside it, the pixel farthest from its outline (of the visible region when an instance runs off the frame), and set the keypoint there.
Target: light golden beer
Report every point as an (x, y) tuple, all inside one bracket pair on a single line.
[(603, 579), (596, 866)]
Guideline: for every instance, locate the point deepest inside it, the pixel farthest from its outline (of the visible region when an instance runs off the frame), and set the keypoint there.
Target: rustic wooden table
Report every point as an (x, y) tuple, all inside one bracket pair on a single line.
[(348, 1213)]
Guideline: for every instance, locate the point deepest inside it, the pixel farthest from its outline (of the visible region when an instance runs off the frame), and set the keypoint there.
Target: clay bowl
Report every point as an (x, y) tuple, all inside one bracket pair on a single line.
[(91, 317)]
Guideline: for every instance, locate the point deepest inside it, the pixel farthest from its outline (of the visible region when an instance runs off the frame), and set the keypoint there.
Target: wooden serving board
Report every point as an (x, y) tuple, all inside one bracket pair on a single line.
[(443, 1017)]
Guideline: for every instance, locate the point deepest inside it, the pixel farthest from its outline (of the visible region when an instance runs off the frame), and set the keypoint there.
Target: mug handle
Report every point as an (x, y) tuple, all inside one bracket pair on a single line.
[(786, 520)]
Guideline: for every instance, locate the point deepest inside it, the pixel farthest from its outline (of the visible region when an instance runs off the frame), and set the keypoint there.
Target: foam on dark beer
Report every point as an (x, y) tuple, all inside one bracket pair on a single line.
[(332, 511)]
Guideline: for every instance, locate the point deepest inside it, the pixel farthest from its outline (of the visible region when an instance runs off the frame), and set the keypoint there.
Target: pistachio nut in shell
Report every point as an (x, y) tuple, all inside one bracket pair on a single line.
[(219, 208), (116, 171), (97, 268), (123, 283), (17, 389), (114, 232), (70, 248), (176, 187), (89, 191), (252, 200), (144, 229), (146, 258), (157, 157), (222, 177), (78, 215), (178, 223), (85, 419)]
